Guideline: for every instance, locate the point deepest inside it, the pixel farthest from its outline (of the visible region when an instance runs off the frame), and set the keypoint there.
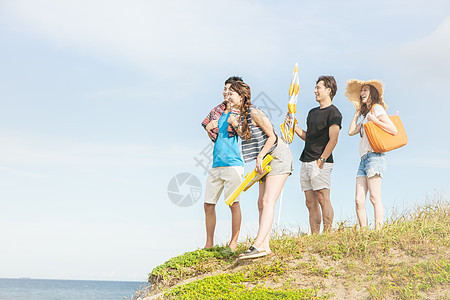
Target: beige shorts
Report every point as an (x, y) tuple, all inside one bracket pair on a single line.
[(225, 179), (282, 160), (314, 178)]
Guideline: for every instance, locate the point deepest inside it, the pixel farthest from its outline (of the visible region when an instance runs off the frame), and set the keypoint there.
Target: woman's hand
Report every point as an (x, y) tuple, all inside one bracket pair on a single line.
[(211, 125), (259, 161), (232, 120)]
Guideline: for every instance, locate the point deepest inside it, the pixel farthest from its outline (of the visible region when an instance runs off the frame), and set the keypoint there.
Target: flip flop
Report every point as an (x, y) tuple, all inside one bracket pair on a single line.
[(252, 252)]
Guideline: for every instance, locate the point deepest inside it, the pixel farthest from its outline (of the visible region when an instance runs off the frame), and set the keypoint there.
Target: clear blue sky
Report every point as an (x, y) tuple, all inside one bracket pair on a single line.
[(101, 104)]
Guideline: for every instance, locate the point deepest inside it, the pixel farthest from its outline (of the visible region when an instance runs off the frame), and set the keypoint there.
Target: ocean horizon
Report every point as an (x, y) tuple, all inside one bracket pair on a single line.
[(56, 289)]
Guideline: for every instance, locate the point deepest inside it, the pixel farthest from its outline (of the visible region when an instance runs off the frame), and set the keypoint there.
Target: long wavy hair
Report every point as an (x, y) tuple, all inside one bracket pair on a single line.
[(373, 99), (243, 90)]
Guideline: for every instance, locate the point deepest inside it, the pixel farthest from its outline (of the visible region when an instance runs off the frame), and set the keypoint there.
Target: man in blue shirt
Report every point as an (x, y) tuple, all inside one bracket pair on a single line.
[(227, 169)]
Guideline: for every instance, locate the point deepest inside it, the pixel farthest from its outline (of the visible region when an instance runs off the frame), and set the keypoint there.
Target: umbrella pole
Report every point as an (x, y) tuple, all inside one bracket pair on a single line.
[(293, 94)]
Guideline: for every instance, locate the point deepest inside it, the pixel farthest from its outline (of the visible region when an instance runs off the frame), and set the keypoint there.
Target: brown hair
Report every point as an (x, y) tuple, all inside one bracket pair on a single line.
[(243, 90), (373, 99), (330, 83), (233, 79)]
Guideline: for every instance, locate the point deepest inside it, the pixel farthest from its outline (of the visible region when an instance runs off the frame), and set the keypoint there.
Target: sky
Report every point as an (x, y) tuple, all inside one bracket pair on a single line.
[(101, 104)]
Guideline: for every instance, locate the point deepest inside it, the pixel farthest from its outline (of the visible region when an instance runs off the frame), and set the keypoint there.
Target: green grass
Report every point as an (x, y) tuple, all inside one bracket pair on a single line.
[(232, 286), (407, 259), (409, 282), (191, 264)]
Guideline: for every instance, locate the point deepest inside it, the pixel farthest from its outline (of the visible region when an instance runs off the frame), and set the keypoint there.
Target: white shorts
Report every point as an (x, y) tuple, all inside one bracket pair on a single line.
[(220, 179), (314, 178)]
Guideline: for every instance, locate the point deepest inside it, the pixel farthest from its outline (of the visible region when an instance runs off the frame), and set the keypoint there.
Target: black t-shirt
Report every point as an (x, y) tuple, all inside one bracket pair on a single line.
[(317, 132)]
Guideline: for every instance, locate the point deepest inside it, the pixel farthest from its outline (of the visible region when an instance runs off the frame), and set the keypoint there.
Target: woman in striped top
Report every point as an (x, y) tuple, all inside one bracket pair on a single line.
[(258, 140)]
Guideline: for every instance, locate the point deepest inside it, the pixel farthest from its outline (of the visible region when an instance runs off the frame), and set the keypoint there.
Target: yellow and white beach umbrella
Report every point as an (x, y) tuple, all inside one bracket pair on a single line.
[(287, 128)]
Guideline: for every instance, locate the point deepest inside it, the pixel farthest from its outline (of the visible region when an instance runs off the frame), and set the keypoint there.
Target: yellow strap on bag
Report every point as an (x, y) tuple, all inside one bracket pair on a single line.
[(381, 141)]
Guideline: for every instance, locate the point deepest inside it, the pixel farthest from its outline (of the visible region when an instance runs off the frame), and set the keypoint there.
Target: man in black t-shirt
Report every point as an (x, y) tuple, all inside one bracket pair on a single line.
[(321, 136)]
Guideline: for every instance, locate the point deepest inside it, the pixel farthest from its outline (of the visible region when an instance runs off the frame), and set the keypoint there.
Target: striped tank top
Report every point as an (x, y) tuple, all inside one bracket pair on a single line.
[(258, 138)]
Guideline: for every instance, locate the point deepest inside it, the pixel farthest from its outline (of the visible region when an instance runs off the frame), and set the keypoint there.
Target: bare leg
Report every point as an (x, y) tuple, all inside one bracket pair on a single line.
[(374, 185), (360, 200), (266, 205), (210, 220), (323, 197), (262, 188), (315, 216), (235, 224)]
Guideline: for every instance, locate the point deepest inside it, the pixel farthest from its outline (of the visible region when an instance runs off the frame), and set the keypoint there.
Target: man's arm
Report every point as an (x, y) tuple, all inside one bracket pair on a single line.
[(211, 125), (211, 137), (333, 132), (300, 132)]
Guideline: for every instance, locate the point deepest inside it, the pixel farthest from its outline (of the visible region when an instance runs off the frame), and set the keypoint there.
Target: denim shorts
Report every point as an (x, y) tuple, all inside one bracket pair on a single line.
[(372, 164)]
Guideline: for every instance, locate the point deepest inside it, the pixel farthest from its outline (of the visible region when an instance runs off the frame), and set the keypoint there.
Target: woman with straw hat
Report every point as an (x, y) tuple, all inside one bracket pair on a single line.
[(367, 97)]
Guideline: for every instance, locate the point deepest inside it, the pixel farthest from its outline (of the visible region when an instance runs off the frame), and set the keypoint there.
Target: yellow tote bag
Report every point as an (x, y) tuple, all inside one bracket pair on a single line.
[(381, 141)]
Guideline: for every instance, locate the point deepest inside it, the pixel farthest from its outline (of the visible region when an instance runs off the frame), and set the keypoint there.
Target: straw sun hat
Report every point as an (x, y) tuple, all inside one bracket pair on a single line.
[(353, 90)]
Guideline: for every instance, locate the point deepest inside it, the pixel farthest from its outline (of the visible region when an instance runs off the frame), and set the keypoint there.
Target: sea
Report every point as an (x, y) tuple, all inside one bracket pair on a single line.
[(49, 289)]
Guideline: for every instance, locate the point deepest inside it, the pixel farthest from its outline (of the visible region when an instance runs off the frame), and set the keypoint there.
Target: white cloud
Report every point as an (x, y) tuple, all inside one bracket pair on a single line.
[(425, 59), (432, 162), (147, 33), (21, 173), (20, 149)]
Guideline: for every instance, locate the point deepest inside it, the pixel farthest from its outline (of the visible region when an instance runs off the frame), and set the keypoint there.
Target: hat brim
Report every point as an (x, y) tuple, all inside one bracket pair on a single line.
[(353, 91)]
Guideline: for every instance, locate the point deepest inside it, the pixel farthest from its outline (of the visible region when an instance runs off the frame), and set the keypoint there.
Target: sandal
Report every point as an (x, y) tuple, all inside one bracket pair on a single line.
[(252, 252)]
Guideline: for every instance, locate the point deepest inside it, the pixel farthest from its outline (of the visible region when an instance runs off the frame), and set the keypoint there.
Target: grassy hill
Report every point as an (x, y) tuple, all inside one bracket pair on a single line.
[(407, 259)]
